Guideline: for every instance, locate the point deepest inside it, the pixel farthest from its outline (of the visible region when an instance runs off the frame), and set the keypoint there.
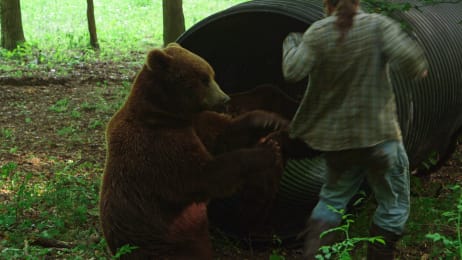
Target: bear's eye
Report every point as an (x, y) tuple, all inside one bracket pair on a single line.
[(205, 80)]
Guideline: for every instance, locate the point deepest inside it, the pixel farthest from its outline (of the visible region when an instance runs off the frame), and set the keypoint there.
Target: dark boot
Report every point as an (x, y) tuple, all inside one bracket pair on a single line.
[(378, 251), (313, 241)]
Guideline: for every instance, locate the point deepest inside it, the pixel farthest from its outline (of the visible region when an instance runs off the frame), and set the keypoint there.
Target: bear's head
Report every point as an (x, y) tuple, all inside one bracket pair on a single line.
[(177, 80)]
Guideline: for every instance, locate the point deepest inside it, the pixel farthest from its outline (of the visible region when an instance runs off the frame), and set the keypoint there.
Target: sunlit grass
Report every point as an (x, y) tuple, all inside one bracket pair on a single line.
[(57, 37), (123, 26)]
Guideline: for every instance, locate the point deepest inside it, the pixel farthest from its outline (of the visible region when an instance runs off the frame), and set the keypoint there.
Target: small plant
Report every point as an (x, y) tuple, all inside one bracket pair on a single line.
[(87, 106), (95, 124), (7, 169), (76, 114), (66, 131), (125, 249), (13, 150), (60, 106), (276, 252), (452, 246), (102, 105), (341, 250), (103, 84), (6, 133), (12, 212)]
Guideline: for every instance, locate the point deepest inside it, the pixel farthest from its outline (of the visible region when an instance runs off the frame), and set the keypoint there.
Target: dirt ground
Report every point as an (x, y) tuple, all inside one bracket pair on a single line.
[(44, 126)]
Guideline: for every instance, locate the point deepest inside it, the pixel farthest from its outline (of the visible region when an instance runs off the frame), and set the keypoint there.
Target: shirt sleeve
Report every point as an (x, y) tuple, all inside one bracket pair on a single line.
[(299, 56), (401, 50)]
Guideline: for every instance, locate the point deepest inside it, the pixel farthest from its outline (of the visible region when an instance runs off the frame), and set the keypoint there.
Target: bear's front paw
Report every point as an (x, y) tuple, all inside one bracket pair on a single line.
[(267, 121), (291, 148), (275, 149)]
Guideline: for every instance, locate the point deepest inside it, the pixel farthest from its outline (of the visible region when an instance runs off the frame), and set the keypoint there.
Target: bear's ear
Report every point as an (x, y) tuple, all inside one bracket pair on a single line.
[(158, 59)]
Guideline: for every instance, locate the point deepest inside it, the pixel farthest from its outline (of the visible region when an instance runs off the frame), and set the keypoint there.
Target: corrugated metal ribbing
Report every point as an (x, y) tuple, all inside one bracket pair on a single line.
[(243, 44), (435, 102)]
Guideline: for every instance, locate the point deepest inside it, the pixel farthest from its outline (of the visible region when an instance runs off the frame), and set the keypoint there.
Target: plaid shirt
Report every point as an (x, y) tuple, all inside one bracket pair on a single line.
[(349, 102)]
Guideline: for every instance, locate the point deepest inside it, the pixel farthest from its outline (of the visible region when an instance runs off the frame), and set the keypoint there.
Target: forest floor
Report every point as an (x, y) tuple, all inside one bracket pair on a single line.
[(48, 127)]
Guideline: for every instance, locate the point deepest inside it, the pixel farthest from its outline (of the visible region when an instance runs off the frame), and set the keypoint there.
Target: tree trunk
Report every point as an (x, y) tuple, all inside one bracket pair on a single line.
[(11, 23), (92, 25), (173, 20)]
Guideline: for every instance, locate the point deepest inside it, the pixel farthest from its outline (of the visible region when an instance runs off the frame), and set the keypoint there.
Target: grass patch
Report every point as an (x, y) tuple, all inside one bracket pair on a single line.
[(58, 207)]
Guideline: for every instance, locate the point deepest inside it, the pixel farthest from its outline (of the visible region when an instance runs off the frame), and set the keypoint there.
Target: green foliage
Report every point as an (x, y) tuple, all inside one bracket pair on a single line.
[(60, 106), (75, 114), (125, 249), (276, 251), (430, 202), (7, 169), (95, 124), (6, 133), (66, 130), (386, 7), (343, 249), (451, 244), (57, 207)]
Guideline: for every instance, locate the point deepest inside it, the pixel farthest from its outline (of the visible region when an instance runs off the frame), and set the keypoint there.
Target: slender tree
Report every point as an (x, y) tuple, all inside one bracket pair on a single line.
[(11, 23), (92, 25), (173, 20)]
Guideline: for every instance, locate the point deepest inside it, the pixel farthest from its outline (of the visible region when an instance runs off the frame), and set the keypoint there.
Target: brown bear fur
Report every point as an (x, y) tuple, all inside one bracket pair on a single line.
[(271, 98), (255, 202), (159, 175), (267, 97)]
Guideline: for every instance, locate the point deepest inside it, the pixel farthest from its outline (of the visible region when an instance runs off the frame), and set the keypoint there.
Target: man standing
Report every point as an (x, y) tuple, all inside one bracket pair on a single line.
[(349, 112)]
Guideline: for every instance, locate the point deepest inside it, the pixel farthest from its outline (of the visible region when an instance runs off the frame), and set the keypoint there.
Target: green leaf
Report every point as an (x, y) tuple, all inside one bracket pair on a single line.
[(8, 168), (358, 201)]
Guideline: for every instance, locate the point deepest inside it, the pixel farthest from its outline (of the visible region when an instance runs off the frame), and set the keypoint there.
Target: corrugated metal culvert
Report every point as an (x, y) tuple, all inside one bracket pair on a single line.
[(243, 44)]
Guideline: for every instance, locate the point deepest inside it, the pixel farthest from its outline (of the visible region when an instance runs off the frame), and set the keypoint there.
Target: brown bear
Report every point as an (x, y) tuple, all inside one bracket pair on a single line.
[(270, 97), (168, 155)]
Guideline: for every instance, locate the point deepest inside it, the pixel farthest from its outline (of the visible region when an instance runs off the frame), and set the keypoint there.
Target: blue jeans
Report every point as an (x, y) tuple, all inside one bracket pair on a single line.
[(385, 167)]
